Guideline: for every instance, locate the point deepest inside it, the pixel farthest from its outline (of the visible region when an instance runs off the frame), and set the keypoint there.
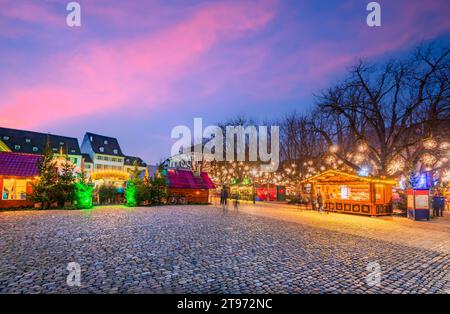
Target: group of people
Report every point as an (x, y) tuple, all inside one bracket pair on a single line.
[(224, 195), (438, 204)]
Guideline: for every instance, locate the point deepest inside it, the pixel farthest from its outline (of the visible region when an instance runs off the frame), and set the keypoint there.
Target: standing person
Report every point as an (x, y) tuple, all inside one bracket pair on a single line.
[(436, 204), (320, 202), (222, 193), (225, 199), (236, 201), (441, 205)]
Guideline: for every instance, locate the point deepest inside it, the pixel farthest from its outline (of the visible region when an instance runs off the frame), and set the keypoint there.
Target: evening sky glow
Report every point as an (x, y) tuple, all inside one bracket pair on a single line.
[(136, 69)]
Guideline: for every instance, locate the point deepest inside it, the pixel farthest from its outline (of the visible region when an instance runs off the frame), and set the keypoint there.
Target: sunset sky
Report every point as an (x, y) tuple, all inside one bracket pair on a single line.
[(136, 69)]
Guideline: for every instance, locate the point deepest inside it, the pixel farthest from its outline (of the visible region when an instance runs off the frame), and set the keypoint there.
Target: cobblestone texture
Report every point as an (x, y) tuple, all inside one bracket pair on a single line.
[(199, 249)]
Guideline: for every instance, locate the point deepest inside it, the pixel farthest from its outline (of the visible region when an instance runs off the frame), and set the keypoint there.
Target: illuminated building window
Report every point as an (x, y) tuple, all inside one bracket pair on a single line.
[(35, 149), (16, 147), (102, 149), (14, 189), (6, 138), (27, 140)]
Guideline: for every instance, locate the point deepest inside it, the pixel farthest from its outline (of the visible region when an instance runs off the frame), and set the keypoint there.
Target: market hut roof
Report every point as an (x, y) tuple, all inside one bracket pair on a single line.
[(20, 165), (185, 179), (335, 176)]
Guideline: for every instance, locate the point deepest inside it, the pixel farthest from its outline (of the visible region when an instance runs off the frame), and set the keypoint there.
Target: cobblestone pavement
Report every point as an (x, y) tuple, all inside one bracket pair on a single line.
[(431, 235), (200, 249)]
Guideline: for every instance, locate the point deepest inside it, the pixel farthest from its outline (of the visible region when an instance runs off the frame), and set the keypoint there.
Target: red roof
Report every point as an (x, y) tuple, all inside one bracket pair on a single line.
[(20, 165), (185, 179)]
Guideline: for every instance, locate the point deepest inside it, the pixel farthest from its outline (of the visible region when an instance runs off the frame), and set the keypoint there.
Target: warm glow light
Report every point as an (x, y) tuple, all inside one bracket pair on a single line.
[(334, 148), (429, 143), (395, 166), (428, 159)]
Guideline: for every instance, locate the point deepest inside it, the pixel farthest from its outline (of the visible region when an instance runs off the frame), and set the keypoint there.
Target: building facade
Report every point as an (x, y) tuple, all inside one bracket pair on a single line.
[(104, 161), (34, 143)]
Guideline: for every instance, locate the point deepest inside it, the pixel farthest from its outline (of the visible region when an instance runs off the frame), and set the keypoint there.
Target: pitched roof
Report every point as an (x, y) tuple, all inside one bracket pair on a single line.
[(21, 165), (29, 142), (185, 179), (87, 158), (104, 144), (129, 161), (336, 176)]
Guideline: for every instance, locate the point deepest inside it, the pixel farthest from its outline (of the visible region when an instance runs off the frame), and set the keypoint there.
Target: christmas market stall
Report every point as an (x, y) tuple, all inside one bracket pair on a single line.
[(350, 193), (262, 192), (192, 186), (17, 173)]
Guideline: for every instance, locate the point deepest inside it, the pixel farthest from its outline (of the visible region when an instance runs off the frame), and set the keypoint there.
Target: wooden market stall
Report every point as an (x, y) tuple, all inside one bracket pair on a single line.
[(352, 194), (194, 187)]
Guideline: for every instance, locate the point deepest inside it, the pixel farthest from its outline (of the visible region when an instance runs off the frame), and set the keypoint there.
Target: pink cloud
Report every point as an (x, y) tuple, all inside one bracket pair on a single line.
[(99, 76), (31, 12)]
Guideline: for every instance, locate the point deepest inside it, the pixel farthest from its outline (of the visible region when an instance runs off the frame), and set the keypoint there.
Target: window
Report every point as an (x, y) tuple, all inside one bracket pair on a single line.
[(105, 142), (115, 151), (14, 189), (100, 157), (72, 150), (61, 143), (27, 140), (6, 138), (98, 166), (35, 149), (16, 147), (74, 160), (119, 159), (102, 149), (113, 159)]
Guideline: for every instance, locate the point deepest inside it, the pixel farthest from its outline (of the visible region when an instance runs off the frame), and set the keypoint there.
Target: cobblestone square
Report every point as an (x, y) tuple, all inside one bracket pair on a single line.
[(201, 249)]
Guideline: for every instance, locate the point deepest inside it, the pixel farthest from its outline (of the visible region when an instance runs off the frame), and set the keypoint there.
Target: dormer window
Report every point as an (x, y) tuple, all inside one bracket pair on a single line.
[(55, 149), (27, 140), (16, 147), (35, 149), (61, 143), (6, 138), (72, 150), (102, 149), (115, 151), (91, 138), (105, 142)]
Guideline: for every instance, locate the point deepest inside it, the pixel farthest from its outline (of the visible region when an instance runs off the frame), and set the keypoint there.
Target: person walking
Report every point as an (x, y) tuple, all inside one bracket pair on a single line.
[(320, 202), (225, 199), (236, 201)]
